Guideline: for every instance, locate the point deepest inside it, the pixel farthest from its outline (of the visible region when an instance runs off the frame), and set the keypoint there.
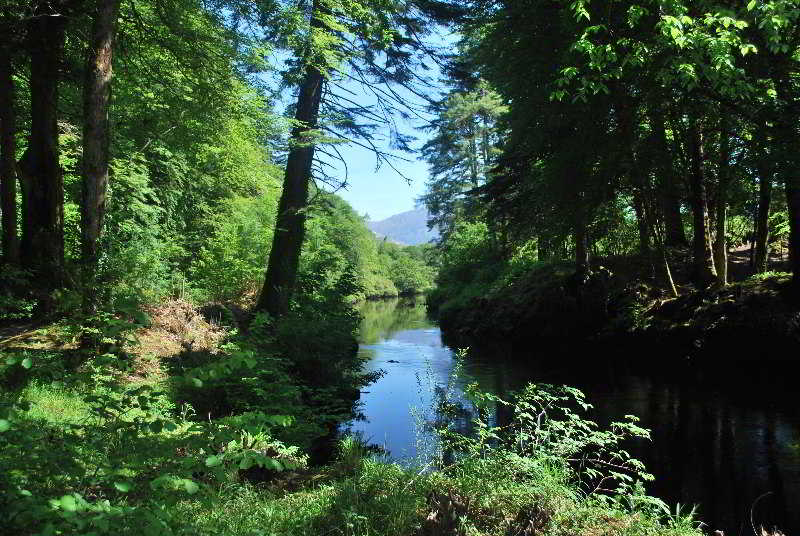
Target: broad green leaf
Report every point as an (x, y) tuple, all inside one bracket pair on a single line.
[(190, 486), (123, 487), (751, 5), (213, 461), (4, 425), (68, 503), (27, 362)]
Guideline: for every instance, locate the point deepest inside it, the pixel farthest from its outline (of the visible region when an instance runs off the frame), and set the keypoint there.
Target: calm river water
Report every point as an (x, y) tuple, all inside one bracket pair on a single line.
[(720, 440)]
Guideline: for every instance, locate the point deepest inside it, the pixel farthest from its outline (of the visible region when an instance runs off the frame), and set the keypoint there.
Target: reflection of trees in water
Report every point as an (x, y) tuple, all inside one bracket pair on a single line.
[(381, 318), (711, 445), (721, 438), (727, 457)]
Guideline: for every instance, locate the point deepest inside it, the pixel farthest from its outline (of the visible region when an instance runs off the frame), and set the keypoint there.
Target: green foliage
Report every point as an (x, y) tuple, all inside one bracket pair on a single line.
[(231, 262), (460, 153), (470, 265), (16, 300), (548, 455), (104, 455)]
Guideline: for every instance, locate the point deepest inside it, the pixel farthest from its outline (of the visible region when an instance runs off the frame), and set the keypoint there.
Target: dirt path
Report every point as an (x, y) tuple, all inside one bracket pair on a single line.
[(18, 331), (739, 267)]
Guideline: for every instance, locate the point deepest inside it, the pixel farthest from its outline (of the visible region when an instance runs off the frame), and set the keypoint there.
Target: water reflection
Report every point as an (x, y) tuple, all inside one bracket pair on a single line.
[(721, 438)]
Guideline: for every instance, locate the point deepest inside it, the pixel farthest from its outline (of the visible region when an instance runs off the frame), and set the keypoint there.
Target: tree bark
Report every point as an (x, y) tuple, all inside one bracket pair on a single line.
[(723, 183), (473, 154), (788, 161), (45, 202), (766, 172), (96, 142), (287, 242), (24, 175), (581, 236), (668, 185), (641, 222), (703, 272), (8, 149)]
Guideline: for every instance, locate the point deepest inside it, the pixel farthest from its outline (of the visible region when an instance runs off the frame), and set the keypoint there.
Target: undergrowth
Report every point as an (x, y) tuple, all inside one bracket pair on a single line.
[(98, 437)]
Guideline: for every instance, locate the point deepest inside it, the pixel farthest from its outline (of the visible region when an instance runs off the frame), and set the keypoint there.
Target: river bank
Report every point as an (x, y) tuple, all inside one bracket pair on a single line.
[(615, 308), (124, 453), (710, 446)]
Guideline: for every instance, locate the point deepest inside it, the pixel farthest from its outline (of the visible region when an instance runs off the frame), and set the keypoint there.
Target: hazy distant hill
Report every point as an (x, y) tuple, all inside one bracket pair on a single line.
[(408, 228)]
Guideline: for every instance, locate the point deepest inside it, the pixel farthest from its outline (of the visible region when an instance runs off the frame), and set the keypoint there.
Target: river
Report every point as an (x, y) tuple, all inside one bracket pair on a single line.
[(719, 441)]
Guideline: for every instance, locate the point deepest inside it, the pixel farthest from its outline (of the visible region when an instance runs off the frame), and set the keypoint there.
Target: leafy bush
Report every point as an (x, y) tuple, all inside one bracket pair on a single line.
[(543, 466), (124, 456), (232, 261), (16, 299)]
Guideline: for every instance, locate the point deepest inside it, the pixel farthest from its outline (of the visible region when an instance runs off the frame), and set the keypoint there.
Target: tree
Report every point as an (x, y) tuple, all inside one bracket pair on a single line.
[(287, 243), (8, 146), (703, 272), (370, 43), (460, 153), (96, 139), (723, 186), (766, 171), (43, 236), (668, 183)]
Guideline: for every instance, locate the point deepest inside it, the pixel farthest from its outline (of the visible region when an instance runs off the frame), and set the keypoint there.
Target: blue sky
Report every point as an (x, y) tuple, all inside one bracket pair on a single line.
[(382, 192)]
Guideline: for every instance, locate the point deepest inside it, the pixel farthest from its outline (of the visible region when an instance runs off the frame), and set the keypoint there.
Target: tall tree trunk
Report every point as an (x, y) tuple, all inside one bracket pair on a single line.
[(668, 184), (765, 168), (8, 149), (96, 142), (788, 160), (45, 202), (723, 183), (485, 147), (287, 242), (473, 155), (642, 223), (581, 235), (24, 173), (703, 272)]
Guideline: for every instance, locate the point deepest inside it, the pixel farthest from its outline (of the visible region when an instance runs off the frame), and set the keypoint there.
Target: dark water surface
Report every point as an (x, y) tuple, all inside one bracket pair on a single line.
[(722, 438)]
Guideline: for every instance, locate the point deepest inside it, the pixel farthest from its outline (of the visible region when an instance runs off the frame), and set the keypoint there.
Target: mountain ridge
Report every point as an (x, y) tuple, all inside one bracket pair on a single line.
[(409, 228)]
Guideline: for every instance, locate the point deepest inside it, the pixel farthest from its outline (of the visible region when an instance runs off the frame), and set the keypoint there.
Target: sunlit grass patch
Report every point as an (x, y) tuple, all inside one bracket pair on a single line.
[(54, 403)]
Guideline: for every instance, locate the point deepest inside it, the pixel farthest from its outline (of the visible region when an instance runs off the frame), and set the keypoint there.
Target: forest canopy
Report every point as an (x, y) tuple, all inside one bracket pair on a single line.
[(590, 130), (180, 192)]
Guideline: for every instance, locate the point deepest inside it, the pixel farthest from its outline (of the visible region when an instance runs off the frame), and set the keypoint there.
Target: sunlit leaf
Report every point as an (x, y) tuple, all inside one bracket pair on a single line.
[(68, 503), (123, 487)]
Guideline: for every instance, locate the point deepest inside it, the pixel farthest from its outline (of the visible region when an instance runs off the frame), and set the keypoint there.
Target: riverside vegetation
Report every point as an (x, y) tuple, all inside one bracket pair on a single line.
[(178, 279), (213, 439)]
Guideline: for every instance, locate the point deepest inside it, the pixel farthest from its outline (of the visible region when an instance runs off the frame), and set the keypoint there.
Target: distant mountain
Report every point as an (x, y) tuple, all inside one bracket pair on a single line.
[(407, 228)]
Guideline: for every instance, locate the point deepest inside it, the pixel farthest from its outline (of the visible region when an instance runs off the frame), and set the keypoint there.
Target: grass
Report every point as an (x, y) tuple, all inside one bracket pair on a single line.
[(384, 499), (54, 403)]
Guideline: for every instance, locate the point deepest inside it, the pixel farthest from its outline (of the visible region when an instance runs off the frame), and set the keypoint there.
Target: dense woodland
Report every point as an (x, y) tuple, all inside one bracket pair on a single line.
[(178, 273), (193, 147), (633, 128)]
